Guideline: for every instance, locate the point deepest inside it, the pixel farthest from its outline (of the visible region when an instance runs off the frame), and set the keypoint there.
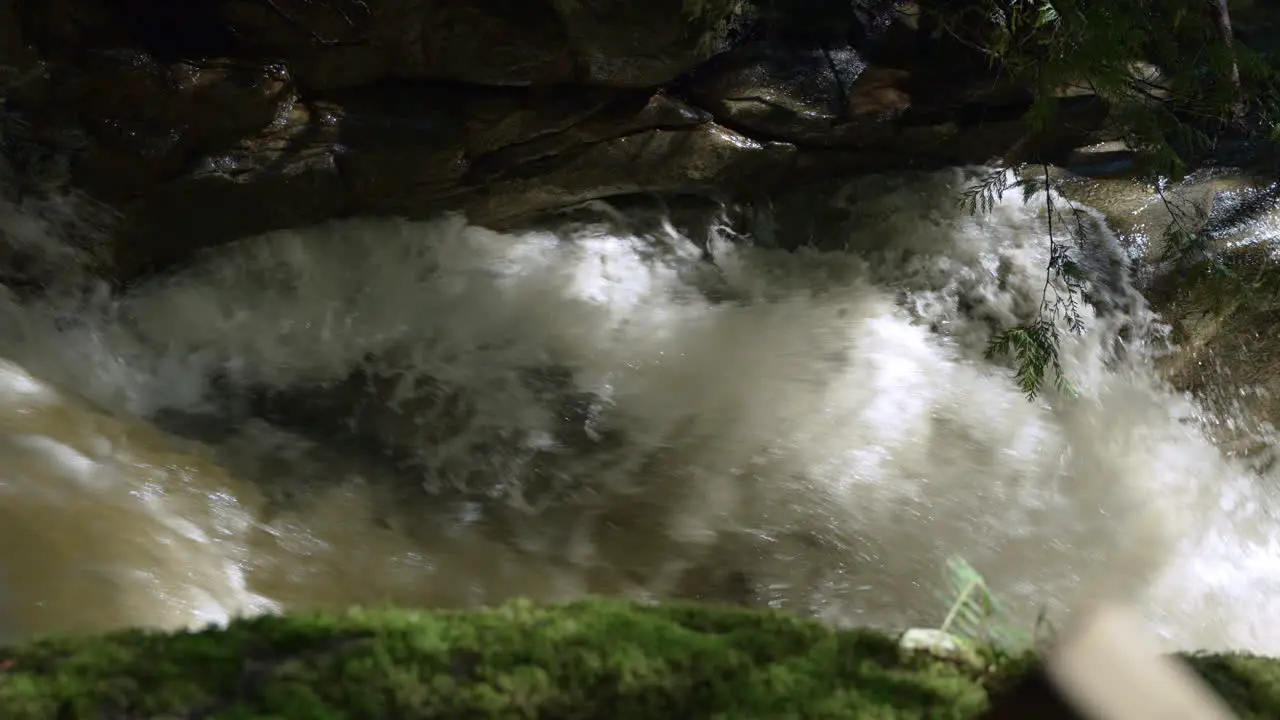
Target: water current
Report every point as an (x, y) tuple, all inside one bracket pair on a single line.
[(435, 414)]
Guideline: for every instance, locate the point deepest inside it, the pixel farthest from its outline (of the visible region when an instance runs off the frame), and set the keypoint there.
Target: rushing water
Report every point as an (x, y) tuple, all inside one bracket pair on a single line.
[(437, 414)]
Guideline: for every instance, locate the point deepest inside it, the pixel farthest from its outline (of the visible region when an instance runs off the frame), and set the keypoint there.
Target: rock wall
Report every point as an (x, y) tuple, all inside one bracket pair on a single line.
[(1220, 308), (1223, 318), (208, 120)]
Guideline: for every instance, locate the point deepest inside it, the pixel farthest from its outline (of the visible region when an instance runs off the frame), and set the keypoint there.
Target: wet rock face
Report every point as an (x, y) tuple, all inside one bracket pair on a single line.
[(1228, 345), (205, 121), (1220, 314)]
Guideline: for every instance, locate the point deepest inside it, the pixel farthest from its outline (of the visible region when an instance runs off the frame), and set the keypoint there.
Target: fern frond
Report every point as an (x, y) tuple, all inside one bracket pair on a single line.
[(983, 195), (1034, 351), (974, 612)]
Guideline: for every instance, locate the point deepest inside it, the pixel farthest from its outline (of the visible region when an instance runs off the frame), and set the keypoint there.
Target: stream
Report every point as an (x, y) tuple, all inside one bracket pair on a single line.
[(433, 414)]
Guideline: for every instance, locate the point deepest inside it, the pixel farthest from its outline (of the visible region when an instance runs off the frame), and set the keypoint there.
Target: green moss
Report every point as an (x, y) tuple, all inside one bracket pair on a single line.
[(594, 659)]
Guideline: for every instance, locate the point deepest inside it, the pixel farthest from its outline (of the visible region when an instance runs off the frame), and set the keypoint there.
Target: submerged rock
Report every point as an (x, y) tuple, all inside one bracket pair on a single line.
[(594, 659)]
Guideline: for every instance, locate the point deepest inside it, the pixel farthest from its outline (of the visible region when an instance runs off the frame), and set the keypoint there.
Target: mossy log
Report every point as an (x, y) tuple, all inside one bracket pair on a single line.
[(591, 659)]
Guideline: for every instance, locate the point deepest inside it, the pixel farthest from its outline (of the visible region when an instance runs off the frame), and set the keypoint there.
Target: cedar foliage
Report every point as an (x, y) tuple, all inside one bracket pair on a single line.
[(1182, 88)]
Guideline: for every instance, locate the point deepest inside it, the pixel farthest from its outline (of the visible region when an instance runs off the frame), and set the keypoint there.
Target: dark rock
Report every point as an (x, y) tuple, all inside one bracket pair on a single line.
[(139, 121), (16, 54), (399, 150), (206, 121), (265, 184), (830, 96), (347, 43), (557, 127), (623, 43), (416, 155), (707, 158), (434, 433), (509, 117), (781, 92)]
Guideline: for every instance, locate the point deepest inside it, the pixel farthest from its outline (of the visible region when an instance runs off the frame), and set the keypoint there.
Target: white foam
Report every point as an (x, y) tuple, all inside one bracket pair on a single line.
[(834, 430)]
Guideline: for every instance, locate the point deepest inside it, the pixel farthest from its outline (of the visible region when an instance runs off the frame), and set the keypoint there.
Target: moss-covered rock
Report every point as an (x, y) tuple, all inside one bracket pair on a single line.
[(594, 659)]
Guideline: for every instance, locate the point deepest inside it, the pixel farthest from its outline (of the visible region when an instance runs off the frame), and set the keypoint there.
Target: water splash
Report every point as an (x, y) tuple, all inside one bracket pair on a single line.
[(441, 414)]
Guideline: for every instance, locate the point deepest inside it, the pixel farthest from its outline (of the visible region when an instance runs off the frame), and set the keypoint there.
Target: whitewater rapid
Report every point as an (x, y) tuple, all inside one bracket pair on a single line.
[(431, 413)]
